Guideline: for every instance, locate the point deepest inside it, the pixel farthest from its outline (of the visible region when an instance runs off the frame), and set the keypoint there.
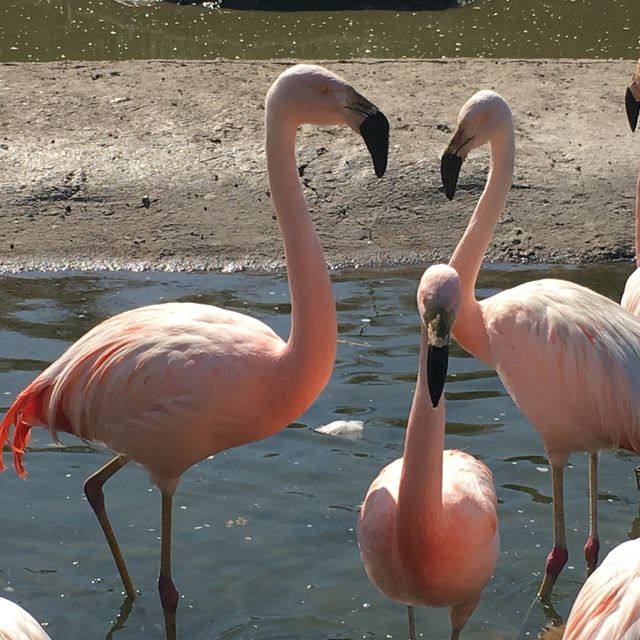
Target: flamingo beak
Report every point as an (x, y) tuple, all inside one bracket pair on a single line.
[(633, 108), (438, 338), (375, 132), (450, 164)]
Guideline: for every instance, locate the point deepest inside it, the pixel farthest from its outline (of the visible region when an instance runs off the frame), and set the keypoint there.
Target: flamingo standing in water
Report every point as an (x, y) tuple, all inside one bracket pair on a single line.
[(631, 296), (169, 385), (18, 624), (569, 357), (428, 528), (608, 605)]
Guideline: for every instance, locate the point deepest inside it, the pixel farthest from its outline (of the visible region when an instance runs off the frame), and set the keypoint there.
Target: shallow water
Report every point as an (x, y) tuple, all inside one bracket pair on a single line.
[(42, 30), (264, 542)]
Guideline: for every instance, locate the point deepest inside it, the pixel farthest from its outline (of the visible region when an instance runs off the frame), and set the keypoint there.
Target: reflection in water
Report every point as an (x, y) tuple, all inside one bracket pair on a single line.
[(41, 30), (282, 512)]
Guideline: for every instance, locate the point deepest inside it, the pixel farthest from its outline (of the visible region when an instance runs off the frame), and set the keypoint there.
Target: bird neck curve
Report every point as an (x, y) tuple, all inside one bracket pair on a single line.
[(311, 347), (467, 258), (420, 507)]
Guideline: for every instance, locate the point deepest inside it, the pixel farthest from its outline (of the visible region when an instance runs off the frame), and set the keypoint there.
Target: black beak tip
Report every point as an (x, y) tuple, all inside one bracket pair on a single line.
[(633, 108), (375, 132), (449, 171), (437, 364)]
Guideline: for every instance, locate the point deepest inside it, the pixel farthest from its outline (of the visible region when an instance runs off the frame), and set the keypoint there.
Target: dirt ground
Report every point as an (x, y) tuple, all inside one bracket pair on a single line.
[(161, 164)]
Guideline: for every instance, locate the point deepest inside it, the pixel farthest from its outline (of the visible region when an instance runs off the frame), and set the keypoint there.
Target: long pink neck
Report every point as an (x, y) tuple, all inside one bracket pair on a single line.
[(638, 222), (311, 347), (467, 258), (420, 511)]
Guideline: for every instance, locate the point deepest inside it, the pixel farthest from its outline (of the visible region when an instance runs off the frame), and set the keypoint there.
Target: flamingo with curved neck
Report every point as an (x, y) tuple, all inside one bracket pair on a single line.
[(428, 527), (569, 357), (169, 385)]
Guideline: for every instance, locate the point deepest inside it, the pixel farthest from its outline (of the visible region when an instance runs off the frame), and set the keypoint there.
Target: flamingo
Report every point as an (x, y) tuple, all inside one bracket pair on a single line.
[(631, 295), (428, 527), (18, 624), (171, 384), (569, 357), (608, 605)]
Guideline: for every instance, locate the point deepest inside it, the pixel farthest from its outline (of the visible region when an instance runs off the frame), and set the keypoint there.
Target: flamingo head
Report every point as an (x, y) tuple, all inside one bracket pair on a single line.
[(309, 94), (438, 301), (632, 99), (481, 118)]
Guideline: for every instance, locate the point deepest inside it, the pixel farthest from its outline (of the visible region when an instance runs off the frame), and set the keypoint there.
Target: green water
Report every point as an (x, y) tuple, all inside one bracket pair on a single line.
[(42, 30), (264, 535)]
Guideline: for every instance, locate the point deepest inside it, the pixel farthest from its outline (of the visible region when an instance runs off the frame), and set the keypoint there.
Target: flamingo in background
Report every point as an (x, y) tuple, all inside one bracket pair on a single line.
[(631, 296), (171, 384), (18, 624), (608, 605), (428, 527), (569, 357)]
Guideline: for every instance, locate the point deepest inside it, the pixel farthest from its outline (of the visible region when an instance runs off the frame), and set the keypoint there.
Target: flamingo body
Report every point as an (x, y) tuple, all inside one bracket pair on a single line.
[(18, 624), (570, 359), (428, 529), (458, 562), (160, 384), (608, 605)]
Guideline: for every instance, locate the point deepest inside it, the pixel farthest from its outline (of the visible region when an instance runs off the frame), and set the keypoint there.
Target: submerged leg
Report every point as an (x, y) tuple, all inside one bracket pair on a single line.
[(166, 588), (592, 546), (412, 624), (559, 555), (459, 615), (93, 491)]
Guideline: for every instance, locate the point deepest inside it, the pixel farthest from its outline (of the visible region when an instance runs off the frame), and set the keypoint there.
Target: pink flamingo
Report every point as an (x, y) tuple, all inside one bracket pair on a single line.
[(169, 385), (18, 624), (569, 357), (608, 605), (631, 296), (428, 528)]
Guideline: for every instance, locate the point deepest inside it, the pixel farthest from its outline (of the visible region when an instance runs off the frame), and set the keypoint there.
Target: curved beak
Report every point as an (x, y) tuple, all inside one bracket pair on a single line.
[(450, 165), (452, 160), (438, 338), (367, 120), (633, 108), (375, 132)]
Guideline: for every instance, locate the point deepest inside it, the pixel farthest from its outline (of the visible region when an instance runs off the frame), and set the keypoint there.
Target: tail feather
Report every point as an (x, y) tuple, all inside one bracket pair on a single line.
[(24, 413)]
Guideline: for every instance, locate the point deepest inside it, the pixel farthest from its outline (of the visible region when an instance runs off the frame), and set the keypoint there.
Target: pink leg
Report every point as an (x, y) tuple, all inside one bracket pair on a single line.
[(93, 490), (592, 546), (559, 554), (168, 593)]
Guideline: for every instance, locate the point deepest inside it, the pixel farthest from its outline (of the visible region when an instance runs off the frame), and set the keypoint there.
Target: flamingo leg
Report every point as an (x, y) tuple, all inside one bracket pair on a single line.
[(168, 593), (93, 490), (558, 556), (592, 546), (412, 624)]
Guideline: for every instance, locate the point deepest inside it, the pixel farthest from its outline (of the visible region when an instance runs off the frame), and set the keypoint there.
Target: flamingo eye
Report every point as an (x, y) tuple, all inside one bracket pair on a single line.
[(324, 88)]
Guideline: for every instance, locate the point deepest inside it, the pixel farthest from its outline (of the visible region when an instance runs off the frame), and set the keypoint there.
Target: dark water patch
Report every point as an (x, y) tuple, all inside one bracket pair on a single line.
[(42, 30)]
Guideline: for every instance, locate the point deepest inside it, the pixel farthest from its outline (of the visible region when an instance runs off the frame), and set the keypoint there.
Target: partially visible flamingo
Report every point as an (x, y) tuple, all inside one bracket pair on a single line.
[(18, 624), (569, 357), (608, 605), (428, 527), (631, 296), (169, 385)]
